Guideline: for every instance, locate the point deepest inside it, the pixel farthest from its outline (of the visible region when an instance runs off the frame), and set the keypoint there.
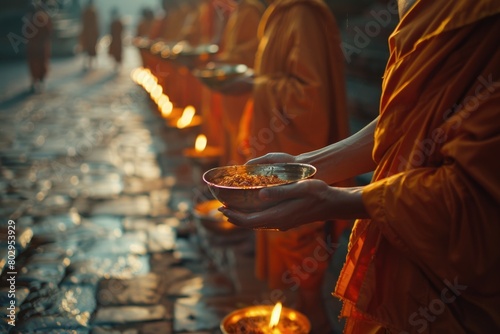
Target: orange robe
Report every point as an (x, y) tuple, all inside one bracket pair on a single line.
[(116, 45), (299, 105), (168, 29), (90, 31), (428, 261), (239, 43), (38, 46), (143, 30)]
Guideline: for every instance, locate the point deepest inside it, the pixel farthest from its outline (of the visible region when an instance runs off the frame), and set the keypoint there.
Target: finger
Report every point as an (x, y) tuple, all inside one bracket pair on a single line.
[(246, 220)]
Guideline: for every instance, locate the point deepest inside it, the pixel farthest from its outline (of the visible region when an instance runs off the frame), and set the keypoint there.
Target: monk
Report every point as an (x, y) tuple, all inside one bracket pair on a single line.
[(239, 45), (167, 28), (143, 30), (424, 256), (38, 47), (116, 45), (89, 34), (298, 105)]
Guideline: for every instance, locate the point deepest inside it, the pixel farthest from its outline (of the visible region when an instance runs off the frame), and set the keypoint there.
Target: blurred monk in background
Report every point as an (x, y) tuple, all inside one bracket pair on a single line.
[(238, 46), (167, 28), (116, 32), (299, 104), (38, 47), (89, 34), (143, 30)]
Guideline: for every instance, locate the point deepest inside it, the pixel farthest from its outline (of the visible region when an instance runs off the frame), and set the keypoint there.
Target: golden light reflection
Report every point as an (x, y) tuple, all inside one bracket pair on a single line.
[(201, 143), (186, 118), (156, 93), (166, 108), (162, 99), (275, 315)]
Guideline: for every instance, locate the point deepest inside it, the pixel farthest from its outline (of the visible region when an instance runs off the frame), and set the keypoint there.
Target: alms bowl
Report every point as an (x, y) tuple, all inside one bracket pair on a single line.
[(246, 198)]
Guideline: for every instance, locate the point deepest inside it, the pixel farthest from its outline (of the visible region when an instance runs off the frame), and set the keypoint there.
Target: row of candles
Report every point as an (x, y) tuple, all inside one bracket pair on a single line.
[(174, 116), (146, 79), (205, 155)]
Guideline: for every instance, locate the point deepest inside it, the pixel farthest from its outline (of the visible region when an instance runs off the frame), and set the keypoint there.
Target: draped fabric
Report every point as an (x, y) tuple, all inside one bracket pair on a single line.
[(239, 46), (38, 46), (298, 106), (116, 45), (90, 31), (428, 261)]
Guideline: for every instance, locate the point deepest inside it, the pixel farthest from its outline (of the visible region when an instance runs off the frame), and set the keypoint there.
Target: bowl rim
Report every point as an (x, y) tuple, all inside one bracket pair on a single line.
[(314, 170)]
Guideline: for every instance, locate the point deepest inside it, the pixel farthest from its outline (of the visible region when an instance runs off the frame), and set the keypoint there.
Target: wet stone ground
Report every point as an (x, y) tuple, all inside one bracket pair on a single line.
[(101, 200)]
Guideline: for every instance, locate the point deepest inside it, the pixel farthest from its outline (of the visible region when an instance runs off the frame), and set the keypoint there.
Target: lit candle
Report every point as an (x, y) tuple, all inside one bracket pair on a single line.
[(203, 154), (186, 118), (201, 143), (268, 319), (275, 318)]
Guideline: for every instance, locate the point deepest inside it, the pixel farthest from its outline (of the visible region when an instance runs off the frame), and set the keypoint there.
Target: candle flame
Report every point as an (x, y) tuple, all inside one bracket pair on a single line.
[(186, 118), (275, 315), (200, 143)]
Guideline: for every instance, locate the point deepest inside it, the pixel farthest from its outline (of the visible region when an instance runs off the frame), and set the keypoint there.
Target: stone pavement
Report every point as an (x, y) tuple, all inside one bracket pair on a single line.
[(101, 197)]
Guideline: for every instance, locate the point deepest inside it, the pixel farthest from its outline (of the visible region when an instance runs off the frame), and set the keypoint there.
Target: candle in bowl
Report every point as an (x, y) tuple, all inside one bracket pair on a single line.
[(265, 319), (203, 155)]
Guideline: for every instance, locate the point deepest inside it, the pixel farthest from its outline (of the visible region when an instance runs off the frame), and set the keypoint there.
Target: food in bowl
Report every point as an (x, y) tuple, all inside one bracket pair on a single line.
[(249, 180), (237, 187)]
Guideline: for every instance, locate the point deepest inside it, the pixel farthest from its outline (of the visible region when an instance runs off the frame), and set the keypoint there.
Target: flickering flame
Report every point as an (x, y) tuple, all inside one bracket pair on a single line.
[(275, 315), (186, 118), (200, 143)]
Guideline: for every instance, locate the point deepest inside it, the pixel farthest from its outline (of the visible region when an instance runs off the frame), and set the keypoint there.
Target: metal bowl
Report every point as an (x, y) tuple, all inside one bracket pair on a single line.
[(190, 56), (246, 199), (214, 75)]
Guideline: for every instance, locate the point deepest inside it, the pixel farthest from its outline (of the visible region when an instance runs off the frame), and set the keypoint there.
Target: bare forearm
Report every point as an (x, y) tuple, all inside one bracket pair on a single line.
[(345, 159)]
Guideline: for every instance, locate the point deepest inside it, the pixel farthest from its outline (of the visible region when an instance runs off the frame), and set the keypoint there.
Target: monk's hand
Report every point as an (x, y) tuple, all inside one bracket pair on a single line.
[(301, 203), (272, 158), (297, 204)]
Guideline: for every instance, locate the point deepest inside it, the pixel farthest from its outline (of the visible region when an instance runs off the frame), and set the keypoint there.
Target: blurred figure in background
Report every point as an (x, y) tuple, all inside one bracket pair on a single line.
[(89, 34), (144, 29), (116, 31), (38, 47), (239, 45)]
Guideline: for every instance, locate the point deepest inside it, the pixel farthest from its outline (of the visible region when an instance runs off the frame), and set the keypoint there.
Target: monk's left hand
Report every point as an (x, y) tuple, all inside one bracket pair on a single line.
[(300, 203)]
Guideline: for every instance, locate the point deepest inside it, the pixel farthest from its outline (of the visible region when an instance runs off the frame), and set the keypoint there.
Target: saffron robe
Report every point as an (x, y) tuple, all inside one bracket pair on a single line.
[(298, 106), (38, 46), (116, 45), (90, 31), (428, 260), (239, 46)]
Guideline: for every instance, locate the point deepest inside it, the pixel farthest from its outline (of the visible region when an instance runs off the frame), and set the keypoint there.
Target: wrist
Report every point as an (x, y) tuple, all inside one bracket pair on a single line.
[(348, 203)]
